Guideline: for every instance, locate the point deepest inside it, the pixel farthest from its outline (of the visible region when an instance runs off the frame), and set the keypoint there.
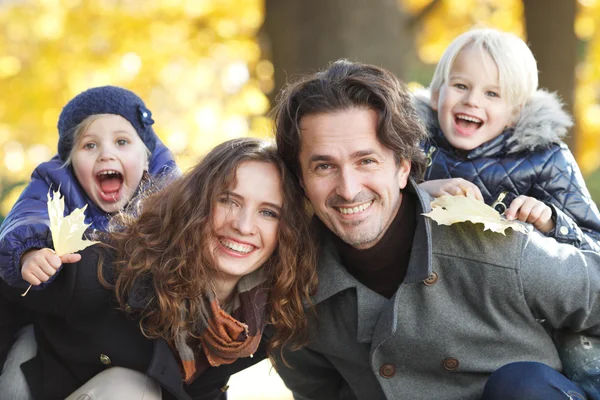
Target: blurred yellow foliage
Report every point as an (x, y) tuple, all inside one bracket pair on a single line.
[(449, 18), (587, 93), (199, 67), (196, 63)]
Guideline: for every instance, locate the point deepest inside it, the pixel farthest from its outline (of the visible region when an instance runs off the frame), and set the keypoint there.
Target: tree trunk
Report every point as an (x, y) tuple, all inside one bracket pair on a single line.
[(551, 37), (306, 35)]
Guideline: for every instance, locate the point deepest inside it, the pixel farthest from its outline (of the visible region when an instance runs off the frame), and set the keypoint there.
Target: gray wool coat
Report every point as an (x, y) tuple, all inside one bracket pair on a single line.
[(471, 302)]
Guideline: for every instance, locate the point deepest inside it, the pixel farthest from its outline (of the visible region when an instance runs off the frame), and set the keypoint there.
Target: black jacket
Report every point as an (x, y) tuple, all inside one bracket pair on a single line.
[(529, 160), (80, 332)]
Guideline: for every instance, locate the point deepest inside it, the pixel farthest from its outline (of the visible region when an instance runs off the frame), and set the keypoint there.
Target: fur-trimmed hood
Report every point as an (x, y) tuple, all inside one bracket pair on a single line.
[(542, 121)]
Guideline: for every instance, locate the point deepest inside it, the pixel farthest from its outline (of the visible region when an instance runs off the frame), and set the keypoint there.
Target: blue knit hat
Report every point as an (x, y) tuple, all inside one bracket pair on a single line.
[(104, 100)]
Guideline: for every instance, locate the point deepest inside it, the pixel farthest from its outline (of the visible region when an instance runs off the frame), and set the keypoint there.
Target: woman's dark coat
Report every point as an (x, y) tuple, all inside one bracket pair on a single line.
[(80, 332)]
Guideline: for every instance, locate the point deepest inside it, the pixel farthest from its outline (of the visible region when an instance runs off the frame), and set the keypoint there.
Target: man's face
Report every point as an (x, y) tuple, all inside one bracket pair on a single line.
[(351, 179)]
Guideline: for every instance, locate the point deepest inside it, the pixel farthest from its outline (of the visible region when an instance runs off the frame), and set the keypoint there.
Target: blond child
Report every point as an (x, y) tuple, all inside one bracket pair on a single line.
[(492, 133)]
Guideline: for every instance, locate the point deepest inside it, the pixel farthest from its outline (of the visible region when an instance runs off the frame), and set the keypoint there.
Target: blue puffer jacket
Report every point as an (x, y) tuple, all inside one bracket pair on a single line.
[(27, 225), (529, 160)]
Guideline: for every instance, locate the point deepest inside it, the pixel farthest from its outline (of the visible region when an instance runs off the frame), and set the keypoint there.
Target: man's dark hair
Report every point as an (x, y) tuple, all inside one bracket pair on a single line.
[(343, 86)]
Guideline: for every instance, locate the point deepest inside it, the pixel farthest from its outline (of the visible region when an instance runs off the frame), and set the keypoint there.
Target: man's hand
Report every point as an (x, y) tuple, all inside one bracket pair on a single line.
[(531, 210), (453, 187), (39, 265)]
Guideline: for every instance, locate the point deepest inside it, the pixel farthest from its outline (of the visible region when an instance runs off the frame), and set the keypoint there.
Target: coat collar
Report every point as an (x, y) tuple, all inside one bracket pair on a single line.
[(500, 145), (334, 278)]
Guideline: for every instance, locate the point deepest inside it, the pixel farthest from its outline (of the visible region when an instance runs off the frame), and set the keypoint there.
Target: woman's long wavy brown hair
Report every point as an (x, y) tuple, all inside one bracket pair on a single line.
[(163, 261)]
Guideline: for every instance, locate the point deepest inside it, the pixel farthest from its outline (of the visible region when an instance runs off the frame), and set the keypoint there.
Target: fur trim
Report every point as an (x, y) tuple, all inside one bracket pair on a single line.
[(542, 121)]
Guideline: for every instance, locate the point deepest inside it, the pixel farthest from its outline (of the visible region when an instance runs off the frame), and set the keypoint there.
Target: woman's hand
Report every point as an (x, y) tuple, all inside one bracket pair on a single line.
[(39, 265), (453, 187)]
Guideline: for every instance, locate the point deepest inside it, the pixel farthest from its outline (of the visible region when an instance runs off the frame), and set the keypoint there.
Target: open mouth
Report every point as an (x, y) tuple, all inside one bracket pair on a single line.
[(467, 123), (236, 247), (110, 183), (355, 209)]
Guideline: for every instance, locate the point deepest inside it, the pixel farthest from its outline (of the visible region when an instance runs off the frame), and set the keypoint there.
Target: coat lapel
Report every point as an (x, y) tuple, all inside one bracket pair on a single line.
[(373, 309)]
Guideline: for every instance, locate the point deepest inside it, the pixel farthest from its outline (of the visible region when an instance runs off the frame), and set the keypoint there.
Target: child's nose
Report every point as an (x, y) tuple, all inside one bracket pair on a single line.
[(107, 155), (471, 98)]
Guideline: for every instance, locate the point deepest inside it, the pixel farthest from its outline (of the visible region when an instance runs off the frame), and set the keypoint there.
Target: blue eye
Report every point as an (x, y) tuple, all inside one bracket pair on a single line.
[(269, 214), (493, 94), (323, 167)]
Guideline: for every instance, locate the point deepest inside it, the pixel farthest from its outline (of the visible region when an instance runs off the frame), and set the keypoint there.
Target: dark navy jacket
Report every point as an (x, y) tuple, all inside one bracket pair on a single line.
[(27, 225), (529, 160)]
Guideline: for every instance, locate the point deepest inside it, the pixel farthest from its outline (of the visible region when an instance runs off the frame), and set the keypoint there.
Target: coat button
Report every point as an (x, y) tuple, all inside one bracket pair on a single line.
[(431, 279), (563, 230), (451, 364), (387, 370), (224, 388), (128, 309), (104, 359)]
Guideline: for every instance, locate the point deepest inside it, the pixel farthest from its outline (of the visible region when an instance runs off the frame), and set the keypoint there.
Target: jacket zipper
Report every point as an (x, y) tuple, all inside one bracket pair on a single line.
[(429, 155), (501, 197), (429, 158)]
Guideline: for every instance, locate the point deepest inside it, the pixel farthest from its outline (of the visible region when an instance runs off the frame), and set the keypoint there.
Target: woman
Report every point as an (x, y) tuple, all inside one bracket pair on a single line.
[(210, 260)]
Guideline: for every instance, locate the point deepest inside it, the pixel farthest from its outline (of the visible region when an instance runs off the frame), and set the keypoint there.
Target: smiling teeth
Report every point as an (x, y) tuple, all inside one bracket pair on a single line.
[(470, 119), (109, 172), (240, 248), (356, 209)]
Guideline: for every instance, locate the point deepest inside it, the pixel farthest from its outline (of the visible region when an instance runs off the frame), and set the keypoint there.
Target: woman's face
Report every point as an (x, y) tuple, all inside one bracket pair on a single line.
[(246, 220)]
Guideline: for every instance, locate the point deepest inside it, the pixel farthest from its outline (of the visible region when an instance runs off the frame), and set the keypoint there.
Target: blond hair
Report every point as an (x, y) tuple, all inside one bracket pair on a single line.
[(517, 68)]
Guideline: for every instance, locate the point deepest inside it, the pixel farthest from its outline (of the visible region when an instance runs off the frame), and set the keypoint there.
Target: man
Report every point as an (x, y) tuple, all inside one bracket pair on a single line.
[(406, 308)]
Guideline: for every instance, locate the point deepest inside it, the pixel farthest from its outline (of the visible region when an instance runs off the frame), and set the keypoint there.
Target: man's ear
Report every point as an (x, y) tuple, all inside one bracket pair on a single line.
[(403, 173), (435, 97), (302, 184)]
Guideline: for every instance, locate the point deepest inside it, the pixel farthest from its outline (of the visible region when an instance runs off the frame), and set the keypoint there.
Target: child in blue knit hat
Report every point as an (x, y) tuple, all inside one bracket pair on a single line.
[(106, 149), (106, 146)]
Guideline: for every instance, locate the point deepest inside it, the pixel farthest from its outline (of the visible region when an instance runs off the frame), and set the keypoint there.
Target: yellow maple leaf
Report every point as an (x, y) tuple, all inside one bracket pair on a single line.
[(67, 231), (447, 210)]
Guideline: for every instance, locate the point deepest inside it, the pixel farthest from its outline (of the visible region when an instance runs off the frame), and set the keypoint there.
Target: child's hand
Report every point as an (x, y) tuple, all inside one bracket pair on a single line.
[(454, 187), (531, 210), (39, 265)]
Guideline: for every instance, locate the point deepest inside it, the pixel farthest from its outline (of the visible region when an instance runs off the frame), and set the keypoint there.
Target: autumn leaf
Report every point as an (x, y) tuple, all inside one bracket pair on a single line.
[(447, 210), (66, 231)]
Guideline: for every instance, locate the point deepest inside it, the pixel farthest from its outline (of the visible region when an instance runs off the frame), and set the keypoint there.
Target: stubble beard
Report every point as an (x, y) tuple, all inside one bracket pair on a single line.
[(368, 237), (360, 238)]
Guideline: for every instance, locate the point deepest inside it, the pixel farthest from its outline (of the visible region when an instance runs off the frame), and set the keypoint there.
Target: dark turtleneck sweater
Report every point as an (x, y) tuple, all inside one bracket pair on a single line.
[(382, 268)]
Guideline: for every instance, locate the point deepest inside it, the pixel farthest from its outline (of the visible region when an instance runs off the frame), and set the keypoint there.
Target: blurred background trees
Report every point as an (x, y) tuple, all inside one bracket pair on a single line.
[(209, 69)]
